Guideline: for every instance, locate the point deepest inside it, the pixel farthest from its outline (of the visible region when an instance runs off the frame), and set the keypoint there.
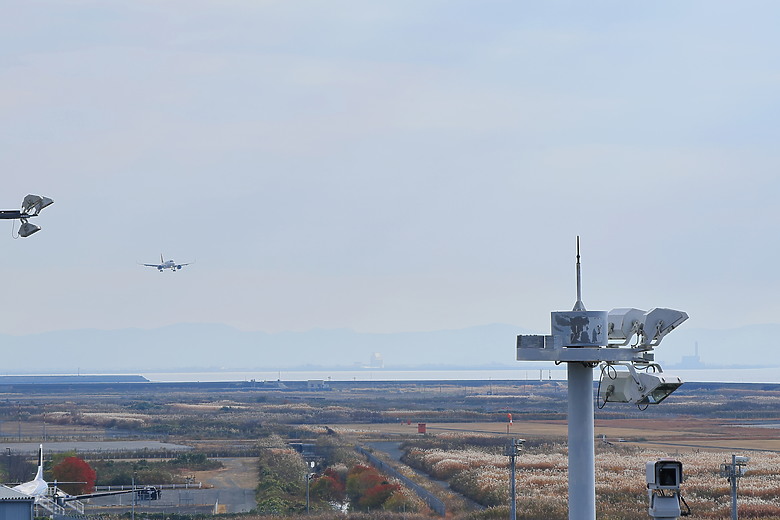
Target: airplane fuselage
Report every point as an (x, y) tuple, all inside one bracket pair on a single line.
[(170, 264), (34, 488)]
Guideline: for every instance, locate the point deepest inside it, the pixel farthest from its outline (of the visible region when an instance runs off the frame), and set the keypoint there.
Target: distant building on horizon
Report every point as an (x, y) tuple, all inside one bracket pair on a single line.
[(314, 385), (376, 361), (693, 361)]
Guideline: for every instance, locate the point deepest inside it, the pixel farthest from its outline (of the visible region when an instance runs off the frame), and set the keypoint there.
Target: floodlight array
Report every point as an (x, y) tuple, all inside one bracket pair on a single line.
[(648, 327), (31, 207)]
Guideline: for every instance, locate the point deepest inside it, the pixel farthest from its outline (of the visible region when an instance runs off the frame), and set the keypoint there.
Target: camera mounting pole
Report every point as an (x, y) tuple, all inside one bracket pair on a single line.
[(514, 448), (733, 472), (579, 338)]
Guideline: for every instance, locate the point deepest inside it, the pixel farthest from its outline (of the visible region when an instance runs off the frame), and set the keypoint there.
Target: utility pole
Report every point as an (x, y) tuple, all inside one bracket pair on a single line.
[(512, 451), (309, 468), (308, 479), (733, 472)]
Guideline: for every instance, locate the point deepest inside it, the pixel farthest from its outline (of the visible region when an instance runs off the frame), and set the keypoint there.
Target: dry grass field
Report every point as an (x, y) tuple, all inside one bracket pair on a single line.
[(461, 454), (466, 431), (676, 435)]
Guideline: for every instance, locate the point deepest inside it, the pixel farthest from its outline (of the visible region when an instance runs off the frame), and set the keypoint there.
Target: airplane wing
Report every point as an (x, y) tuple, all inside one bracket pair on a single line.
[(152, 265), (63, 497)]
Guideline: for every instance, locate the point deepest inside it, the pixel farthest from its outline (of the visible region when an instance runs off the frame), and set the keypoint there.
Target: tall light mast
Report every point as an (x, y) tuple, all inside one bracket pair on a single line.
[(579, 338)]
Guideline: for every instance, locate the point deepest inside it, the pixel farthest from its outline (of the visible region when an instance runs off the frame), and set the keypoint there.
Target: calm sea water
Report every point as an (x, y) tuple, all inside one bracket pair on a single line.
[(741, 375)]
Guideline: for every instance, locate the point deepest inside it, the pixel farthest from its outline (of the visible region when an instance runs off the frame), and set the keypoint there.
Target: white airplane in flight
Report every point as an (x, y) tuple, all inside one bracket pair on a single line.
[(40, 489), (167, 264)]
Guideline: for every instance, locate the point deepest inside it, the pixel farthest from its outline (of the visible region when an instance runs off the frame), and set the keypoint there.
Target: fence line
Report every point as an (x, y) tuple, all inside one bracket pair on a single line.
[(153, 453)]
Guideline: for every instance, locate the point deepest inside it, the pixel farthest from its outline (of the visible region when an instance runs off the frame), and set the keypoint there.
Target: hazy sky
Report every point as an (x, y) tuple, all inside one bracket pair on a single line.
[(389, 166)]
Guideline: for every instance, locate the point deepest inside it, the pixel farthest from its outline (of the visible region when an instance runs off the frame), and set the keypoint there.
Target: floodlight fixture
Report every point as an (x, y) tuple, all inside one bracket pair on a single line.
[(649, 327), (640, 388), (27, 229), (624, 324), (658, 323), (33, 204), (31, 207)]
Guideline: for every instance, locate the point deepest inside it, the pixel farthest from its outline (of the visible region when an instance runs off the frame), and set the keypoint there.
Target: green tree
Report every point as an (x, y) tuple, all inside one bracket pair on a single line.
[(281, 485)]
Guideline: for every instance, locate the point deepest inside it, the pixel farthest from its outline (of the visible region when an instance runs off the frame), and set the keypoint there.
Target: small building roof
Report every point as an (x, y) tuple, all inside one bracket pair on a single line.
[(7, 493)]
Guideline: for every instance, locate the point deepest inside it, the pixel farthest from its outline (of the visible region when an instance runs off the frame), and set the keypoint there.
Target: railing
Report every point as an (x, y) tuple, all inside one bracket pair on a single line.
[(155, 453), (54, 508), (189, 485)]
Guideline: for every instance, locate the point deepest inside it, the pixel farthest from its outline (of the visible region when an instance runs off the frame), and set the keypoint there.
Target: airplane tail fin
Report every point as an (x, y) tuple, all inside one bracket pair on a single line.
[(161, 259), (39, 475)]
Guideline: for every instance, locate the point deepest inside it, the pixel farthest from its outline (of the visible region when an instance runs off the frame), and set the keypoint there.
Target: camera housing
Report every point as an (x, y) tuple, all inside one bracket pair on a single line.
[(664, 477), (664, 474)]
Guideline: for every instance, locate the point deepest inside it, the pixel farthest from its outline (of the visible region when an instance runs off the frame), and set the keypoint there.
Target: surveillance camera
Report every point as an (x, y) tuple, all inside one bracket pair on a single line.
[(664, 474), (664, 477), (640, 388)]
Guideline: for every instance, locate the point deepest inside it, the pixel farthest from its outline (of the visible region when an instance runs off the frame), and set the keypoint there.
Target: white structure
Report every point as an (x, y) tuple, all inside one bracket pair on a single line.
[(31, 207), (733, 472), (15, 505), (316, 384), (664, 478), (376, 361), (584, 339)]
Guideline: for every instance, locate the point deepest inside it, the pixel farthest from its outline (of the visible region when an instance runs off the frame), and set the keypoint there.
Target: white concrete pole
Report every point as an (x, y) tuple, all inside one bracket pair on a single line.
[(734, 476), (512, 490), (582, 471)]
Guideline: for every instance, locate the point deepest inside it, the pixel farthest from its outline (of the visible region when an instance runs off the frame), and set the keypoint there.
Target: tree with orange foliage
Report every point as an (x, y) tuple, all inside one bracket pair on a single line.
[(376, 496), (329, 486), (367, 488), (78, 472)]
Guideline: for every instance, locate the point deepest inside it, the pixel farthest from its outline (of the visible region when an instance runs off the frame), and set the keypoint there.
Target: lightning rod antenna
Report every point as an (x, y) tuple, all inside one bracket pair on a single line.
[(579, 306)]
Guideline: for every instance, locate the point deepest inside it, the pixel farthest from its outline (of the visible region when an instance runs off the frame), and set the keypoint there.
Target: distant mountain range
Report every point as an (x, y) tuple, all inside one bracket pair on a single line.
[(204, 347)]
